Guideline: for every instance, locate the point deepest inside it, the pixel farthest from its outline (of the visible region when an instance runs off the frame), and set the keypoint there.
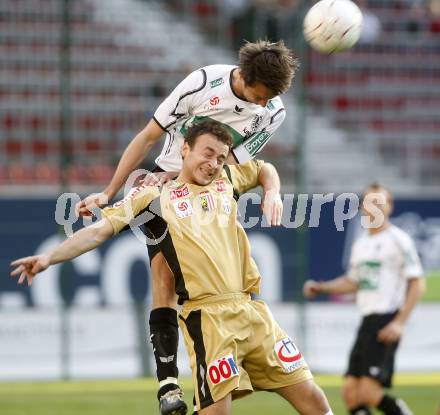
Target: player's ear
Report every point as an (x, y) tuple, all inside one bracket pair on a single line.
[(185, 149)]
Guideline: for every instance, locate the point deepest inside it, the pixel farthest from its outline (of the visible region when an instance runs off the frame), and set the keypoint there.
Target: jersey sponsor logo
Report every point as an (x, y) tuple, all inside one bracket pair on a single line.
[(183, 208), (133, 192), (220, 186), (215, 100), (226, 203), (179, 193), (254, 144), (216, 82), (206, 201), (256, 122), (222, 369), (270, 106), (288, 355), (238, 110)]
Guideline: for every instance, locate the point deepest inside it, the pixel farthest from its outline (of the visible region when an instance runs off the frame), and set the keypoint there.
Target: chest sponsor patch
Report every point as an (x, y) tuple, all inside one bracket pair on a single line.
[(288, 355), (220, 186), (206, 201), (226, 203), (183, 208), (222, 369), (179, 193)]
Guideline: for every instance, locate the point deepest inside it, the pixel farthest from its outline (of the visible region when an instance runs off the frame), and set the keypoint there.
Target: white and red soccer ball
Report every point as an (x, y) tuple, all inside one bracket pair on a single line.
[(332, 26)]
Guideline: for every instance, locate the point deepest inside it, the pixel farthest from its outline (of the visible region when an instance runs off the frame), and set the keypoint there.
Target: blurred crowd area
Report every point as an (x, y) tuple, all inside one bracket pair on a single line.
[(78, 82)]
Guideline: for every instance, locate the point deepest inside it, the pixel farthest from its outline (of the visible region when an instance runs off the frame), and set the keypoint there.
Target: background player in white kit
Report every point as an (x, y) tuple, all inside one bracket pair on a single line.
[(244, 99), (386, 274)]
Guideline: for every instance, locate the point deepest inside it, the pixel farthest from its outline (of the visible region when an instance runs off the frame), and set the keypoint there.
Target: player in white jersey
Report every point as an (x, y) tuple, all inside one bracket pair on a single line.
[(386, 274), (245, 100)]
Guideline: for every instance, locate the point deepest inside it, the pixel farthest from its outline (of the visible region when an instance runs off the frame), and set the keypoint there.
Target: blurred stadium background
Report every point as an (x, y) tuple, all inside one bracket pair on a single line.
[(78, 79)]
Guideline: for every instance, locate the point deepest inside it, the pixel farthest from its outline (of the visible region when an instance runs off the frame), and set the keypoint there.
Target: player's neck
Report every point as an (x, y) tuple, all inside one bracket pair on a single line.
[(237, 84), (375, 231)]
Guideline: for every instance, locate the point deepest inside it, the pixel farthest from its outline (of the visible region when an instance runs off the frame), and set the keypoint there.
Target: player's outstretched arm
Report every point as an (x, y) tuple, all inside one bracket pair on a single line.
[(271, 205), (80, 242), (131, 158), (394, 329), (340, 285)]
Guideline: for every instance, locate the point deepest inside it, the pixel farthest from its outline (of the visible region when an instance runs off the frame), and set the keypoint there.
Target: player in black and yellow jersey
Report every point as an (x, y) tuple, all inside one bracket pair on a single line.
[(233, 342)]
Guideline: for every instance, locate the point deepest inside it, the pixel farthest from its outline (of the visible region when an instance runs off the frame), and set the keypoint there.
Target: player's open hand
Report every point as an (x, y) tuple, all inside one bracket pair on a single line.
[(28, 267), (391, 333), (95, 200), (311, 289), (159, 178), (272, 207)]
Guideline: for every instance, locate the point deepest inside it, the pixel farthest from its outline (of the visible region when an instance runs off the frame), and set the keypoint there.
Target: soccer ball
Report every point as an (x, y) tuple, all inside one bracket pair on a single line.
[(333, 25)]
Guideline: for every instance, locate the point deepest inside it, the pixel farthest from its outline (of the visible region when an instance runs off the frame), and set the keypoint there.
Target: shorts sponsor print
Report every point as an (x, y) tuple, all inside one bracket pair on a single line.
[(241, 348)]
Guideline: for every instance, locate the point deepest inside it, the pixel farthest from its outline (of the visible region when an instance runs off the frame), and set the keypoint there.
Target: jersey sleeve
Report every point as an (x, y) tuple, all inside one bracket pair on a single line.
[(352, 272), (122, 213), (245, 176), (180, 102), (254, 144), (412, 267)]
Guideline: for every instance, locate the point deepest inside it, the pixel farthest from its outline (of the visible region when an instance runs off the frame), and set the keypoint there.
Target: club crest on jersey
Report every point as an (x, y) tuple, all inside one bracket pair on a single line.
[(222, 369), (183, 208), (206, 201), (220, 186), (288, 355), (179, 193), (256, 122)]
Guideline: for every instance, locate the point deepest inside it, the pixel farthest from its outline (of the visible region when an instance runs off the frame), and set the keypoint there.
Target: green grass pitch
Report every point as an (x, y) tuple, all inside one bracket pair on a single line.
[(138, 397)]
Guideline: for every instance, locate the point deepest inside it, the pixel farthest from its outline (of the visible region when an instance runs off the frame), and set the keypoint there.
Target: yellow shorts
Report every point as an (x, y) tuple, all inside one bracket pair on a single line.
[(235, 346)]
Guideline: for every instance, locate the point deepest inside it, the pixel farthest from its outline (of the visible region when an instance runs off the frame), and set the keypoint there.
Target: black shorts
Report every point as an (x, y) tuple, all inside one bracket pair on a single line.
[(372, 358), (153, 249)]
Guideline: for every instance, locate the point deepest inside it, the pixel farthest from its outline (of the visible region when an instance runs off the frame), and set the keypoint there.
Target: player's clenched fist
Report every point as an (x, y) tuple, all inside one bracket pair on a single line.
[(311, 289), (28, 267)]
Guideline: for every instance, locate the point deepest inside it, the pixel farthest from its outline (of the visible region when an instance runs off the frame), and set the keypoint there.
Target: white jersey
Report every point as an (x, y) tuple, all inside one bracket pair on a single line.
[(381, 265), (207, 94)]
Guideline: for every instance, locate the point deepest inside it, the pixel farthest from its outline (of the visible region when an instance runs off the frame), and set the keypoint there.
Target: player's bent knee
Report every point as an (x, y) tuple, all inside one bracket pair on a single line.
[(350, 393)]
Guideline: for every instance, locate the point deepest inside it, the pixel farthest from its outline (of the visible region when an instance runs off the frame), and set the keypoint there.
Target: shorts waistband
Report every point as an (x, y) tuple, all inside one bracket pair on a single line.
[(213, 299)]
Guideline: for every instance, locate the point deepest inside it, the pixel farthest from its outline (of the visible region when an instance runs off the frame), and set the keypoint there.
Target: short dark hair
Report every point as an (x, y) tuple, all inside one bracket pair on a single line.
[(208, 127), (272, 64)]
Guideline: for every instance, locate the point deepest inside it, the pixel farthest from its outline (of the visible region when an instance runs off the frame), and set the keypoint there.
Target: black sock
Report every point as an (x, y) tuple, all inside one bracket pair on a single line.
[(164, 337), (360, 410), (391, 406)]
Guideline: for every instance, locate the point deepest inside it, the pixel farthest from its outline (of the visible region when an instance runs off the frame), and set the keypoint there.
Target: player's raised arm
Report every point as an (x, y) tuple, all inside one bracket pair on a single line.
[(131, 158), (80, 242), (248, 175), (271, 205)]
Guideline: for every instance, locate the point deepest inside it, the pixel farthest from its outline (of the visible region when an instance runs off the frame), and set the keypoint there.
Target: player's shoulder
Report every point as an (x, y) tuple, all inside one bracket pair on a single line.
[(275, 110), (399, 235), (217, 75)]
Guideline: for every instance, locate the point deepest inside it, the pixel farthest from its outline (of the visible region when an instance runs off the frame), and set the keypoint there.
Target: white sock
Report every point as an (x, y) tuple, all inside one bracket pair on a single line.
[(167, 381), (329, 412)]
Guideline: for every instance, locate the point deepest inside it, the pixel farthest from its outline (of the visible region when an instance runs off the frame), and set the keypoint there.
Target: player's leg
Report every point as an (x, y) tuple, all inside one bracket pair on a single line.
[(352, 397), (306, 397), (372, 393), (221, 407), (377, 369), (164, 336)]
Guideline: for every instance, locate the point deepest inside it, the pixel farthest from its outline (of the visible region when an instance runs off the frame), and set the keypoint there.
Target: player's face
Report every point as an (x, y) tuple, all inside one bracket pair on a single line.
[(257, 94), (203, 163), (377, 199)]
